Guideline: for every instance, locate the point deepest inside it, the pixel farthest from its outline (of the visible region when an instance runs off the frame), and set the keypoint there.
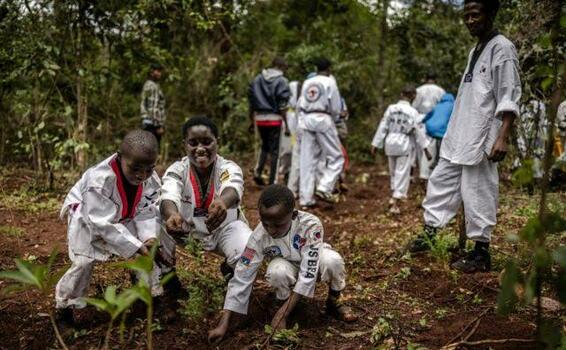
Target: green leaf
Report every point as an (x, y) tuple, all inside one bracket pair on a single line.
[(167, 278), (110, 294), (100, 304), (547, 83), (524, 175), (17, 276)]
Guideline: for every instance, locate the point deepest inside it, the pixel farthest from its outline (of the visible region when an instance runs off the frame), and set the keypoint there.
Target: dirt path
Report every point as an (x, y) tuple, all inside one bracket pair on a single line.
[(400, 299)]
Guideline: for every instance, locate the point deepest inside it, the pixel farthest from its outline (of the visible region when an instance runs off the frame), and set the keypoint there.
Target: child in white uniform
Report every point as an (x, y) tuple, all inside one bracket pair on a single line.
[(293, 242), (399, 134), (111, 211)]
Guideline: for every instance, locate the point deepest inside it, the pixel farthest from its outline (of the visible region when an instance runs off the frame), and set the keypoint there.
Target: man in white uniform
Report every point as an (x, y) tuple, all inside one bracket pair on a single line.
[(293, 242), (320, 104), (531, 136), (428, 95), (476, 139), (111, 211), (399, 134), (201, 196)]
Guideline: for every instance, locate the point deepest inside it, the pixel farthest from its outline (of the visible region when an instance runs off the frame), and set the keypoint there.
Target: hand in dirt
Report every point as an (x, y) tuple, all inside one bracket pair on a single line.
[(216, 335), (175, 223), (216, 214), (279, 321), (143, 250)]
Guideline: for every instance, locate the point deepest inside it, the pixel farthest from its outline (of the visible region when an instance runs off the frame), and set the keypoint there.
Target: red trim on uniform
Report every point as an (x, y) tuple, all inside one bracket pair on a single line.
[(346, 158), (198, 195), (120, 184), (268, 122)]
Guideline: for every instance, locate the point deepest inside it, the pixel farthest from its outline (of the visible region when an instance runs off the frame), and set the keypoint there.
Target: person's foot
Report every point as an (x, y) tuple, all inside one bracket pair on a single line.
[(394, 210), (327, 197), (424, 240), (474, 261), (337, 309), (65, 322), (259, 181), (391, 201)]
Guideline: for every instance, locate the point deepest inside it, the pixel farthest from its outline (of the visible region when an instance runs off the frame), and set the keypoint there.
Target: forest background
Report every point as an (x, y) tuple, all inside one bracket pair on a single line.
[(72, 71)]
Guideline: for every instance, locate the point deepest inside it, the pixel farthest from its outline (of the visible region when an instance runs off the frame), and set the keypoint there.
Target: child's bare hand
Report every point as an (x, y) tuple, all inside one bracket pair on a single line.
[(174, 223), (373, 150), (216, 214), (143, 250), (216, 335)]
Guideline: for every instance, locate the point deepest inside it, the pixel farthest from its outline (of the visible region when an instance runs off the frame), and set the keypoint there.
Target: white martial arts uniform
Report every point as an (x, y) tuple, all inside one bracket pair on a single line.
[(180, 185), (399, 133), (428, 95), (531, 129), (296, 259), (464, 174), (320, 104), (100, 224)]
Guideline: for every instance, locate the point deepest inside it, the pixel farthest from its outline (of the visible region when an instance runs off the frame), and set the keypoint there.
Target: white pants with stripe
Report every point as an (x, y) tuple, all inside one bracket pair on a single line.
[(282, 274), (476, 186), (317, 146), (400, 173)]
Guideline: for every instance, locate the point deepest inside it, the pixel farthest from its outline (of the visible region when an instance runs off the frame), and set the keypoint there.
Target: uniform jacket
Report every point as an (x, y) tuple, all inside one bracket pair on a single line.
[(180, 187), (427, 97), (494, 88), (152, 104), (320, 103), (301, 246), (97, 209), (398, 130)]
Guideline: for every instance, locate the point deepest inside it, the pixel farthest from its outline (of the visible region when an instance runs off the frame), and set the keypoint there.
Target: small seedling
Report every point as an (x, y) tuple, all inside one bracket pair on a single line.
[(288, 336)]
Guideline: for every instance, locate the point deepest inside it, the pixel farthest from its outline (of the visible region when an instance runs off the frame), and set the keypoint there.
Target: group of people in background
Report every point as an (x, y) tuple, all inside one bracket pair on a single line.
[(122, 207)]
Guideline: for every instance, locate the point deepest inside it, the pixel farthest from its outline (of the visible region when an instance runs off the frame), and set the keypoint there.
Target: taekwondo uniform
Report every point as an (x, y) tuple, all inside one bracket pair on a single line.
[(297, 260), (428, 95), (102, 223), (399, 132), (464, 174), (180, 185), (320, 104)]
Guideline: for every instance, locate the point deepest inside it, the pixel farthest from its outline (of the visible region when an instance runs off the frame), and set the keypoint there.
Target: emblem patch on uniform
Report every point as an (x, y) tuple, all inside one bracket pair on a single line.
[(224, 176), (313, 92), (317, 235), (298, 242), (247, 256), (272, 251)]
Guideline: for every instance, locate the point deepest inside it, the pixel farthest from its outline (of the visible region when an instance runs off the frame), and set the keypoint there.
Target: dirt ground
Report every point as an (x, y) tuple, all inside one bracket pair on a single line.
[(418, 299)]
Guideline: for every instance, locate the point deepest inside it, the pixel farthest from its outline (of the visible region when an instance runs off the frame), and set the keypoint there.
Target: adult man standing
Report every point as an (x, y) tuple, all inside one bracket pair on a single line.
[(319, 105), (428, 95), (476, 139), (268, 96), (153, 103)]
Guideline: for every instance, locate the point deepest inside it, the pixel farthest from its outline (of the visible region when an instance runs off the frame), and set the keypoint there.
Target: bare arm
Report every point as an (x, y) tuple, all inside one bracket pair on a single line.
[(499, 149)]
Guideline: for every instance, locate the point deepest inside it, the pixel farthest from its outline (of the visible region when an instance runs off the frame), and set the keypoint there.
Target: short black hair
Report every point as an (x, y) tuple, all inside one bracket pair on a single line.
[(274, 195), (156, 66), (279, 62), (322, 64), (141, 141), (431, 76), (200, 120), (491, 6), (408, 89)]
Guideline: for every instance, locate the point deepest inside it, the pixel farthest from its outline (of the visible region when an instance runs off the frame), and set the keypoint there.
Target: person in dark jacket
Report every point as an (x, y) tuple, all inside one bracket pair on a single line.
[(268, 97)]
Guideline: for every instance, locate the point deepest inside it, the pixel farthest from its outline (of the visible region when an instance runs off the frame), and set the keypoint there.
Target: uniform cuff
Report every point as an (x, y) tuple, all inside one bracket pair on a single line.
[(507, 106), (236, 307)]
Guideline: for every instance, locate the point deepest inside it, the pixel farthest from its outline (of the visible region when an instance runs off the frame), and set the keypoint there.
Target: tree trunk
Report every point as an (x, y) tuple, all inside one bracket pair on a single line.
[(381, 55), (82, 117)]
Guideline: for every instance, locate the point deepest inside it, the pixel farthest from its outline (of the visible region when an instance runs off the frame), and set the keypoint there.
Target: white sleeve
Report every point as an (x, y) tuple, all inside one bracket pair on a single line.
[(99, 211), (335, 100), (174, 181), (240, 286), (231, 176), (418, 101), (147, 220), (381, 132), (506, 82), (310, 253)]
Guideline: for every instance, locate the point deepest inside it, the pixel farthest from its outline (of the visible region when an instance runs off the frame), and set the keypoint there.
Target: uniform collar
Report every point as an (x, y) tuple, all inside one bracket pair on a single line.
[(405, 102)]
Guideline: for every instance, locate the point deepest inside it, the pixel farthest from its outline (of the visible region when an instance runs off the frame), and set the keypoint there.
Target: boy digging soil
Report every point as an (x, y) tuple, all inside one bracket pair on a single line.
[(293, 241), (111, 211)]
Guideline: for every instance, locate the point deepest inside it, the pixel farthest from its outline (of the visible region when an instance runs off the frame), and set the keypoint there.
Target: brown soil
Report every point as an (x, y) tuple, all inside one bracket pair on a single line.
[(422, 300)]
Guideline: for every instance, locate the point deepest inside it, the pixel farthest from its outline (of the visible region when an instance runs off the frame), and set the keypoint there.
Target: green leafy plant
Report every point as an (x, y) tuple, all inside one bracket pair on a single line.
[(40, 277), (381, 331), (289, 336)]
